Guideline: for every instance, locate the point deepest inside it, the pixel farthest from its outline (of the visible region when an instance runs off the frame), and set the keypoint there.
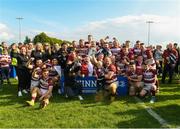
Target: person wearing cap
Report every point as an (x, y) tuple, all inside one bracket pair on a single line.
[(170, 56)]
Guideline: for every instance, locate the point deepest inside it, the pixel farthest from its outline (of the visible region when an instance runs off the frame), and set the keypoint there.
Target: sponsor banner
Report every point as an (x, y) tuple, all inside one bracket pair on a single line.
[(89, 85)]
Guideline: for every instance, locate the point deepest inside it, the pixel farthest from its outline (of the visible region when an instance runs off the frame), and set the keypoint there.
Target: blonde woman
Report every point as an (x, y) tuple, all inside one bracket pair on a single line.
[(38, 52)]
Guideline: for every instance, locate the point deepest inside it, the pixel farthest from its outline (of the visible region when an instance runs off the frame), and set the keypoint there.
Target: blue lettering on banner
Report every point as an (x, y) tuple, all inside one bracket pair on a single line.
[(89, 85)]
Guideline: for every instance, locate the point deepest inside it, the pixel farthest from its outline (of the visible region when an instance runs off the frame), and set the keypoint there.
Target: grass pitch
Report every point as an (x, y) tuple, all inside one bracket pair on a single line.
[(64, 113)]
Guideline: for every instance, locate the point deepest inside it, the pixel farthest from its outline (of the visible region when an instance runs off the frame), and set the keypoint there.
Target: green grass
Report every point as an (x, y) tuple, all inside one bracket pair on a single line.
[(168, 104), (61, 112)]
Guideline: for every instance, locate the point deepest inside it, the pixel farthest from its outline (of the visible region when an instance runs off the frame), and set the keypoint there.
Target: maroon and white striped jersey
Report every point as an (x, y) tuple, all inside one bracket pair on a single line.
[(5, 60), (46, 83), (82, 51), (134, 74), (129, 55), (149, 77), (139, 67), (111, 68), (36, 73), (137, 51), (147, 54), (121, 67), (116, 52)]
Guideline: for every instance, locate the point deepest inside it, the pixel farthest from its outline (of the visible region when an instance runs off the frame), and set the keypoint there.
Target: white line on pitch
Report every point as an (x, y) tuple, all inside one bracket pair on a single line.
[(163, 122)]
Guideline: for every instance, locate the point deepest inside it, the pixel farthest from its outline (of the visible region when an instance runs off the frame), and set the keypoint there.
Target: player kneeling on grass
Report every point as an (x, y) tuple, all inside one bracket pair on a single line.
[(44, 90), (134, 79), (110, 79), (149, 77)]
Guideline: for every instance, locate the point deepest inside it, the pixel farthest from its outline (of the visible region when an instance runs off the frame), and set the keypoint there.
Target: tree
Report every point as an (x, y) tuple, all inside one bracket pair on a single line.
[(27, 40), (43, 38)]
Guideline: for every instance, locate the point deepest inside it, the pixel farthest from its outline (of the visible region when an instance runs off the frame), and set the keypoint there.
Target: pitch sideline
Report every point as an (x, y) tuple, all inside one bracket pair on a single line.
[(163, 122)]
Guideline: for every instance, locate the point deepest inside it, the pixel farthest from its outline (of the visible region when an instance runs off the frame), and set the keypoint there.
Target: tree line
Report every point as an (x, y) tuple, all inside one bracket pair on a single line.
[(44, 38)]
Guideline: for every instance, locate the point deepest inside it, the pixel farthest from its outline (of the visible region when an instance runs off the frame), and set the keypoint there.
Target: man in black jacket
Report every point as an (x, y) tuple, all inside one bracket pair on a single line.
[(72, 88)]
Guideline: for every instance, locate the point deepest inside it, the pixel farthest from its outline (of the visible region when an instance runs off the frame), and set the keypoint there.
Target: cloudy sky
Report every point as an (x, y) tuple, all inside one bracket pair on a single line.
[(75, 19)]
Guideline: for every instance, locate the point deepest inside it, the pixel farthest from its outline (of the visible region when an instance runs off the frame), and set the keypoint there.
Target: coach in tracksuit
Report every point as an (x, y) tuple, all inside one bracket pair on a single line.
[(170, 57)]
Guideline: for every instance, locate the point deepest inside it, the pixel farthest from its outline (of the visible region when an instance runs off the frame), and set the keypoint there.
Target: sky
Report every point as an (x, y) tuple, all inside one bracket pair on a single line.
[(75, 19)]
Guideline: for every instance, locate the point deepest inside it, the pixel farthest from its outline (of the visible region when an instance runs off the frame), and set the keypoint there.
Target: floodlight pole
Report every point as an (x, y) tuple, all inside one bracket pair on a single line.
[(19, 19), (149, 23)]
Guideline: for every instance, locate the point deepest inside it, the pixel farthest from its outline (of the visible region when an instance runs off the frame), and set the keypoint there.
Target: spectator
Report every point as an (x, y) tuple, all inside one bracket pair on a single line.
[(54, 50), (170, 57), (158, 58), (47, 52), (178, 61), (1, 48), (63, 55), (30, 48), (5, 61), (38, 52), (23, 73)]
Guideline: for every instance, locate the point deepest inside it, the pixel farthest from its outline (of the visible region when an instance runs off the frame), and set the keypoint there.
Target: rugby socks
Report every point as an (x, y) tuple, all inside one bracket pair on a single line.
[(33, 98)]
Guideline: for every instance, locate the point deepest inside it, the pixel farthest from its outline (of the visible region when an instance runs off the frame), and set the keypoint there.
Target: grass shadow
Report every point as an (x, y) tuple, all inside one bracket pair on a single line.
[(139, 119)]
